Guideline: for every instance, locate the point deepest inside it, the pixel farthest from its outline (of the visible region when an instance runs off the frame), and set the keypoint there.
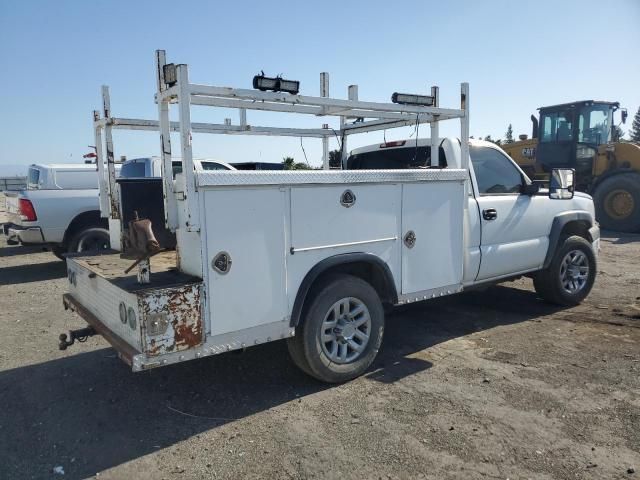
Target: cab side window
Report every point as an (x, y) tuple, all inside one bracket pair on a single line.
[(495, 174)]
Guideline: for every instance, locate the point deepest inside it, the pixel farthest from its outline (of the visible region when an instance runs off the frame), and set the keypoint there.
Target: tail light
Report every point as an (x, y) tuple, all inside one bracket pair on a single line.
[(397, 143), (27, 212)]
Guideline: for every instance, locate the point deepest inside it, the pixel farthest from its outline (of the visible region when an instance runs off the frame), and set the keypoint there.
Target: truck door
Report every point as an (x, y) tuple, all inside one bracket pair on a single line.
[(513, 238)]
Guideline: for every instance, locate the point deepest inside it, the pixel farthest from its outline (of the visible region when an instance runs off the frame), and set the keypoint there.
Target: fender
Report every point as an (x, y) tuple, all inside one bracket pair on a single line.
[(559, 222), (388, 294)]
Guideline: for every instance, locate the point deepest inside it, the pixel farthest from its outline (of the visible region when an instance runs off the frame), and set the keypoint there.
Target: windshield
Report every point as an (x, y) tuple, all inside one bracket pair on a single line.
[(594, 124)]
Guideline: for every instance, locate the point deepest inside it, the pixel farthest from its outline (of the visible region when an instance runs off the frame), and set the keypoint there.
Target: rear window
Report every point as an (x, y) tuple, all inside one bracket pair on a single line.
[(133, 170), (33, 178), (394, 158), (213, 166), (77, 179)]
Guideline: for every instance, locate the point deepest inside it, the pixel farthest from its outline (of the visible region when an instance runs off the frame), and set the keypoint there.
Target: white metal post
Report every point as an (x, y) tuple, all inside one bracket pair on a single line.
[(464, 125), (114, 198), (352, 94), (184, 105), (170, 202), (324, 92), (435, 131), (102, 179)]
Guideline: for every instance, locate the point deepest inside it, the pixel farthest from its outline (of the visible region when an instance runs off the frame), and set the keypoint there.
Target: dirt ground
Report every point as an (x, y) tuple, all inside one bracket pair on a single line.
[(488, 385)]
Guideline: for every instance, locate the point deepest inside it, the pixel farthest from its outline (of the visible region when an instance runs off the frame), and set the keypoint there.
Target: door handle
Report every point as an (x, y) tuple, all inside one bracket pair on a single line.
[(490, 214)]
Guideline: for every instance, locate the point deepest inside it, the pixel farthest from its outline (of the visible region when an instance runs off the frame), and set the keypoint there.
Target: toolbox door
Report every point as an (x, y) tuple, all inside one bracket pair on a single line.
[(432, 218), (245, 257)]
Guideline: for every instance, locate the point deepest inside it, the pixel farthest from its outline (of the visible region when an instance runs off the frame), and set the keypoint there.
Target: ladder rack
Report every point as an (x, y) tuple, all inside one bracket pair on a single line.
[(355, 116)]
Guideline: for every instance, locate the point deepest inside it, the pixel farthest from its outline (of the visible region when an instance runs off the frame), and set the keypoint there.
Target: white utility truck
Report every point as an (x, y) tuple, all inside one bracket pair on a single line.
[(315, 257)]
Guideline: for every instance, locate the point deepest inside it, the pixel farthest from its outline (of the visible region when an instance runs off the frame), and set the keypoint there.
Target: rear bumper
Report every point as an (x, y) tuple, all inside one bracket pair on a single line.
[(24, 235), (125, 351)]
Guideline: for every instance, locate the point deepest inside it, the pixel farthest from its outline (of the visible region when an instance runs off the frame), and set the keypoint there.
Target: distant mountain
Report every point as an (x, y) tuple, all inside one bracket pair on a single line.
[(13, 170)]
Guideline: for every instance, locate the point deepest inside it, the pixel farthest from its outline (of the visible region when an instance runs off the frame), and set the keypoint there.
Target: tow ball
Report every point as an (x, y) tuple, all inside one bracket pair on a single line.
[(81, 335)]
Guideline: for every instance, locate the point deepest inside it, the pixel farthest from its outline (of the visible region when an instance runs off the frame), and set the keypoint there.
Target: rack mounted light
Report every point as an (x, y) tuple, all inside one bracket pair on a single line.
[(275, 84), (170, 74), (411, 99)]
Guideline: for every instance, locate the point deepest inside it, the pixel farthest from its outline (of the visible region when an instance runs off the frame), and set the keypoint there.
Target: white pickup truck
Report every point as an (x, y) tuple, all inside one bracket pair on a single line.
[(316, 257), (58, 210)]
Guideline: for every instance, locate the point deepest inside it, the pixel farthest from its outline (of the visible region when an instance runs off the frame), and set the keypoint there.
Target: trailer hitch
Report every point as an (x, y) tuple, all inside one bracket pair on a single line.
[(81, 335)]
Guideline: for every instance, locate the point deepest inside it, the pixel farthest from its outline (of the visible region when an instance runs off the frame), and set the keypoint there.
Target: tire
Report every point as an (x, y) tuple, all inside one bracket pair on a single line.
[(347, 313), (617, 201), (60, 251), (90, 239), (569, 277)]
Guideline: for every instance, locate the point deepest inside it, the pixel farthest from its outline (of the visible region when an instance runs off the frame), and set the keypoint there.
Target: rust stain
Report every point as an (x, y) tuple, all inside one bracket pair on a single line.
[(188, 335), (181, 305)]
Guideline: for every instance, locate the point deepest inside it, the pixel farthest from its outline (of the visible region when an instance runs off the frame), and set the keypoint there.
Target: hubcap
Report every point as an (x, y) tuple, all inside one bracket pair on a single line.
[(93, 242), (619, 204), (574, 271), (345, 330)]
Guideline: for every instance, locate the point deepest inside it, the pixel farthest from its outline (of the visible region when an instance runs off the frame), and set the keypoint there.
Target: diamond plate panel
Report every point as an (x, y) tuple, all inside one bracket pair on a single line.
[(266, 177)]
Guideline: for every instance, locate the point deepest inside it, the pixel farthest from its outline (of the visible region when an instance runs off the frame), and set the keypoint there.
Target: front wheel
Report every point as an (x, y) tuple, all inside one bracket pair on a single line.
[(569, 277), (342, 330)]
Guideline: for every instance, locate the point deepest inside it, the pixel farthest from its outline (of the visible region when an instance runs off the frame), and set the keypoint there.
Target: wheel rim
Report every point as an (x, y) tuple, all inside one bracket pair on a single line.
[(574, 271), (93, 241), (619, 204), (345, 330)]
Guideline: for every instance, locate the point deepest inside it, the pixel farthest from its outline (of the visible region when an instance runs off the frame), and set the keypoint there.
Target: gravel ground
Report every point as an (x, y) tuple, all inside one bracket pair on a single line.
[(490, 384)]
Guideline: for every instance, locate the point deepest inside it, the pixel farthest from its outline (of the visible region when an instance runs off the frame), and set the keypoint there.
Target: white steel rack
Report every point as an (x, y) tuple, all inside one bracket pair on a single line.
[(355, 116)]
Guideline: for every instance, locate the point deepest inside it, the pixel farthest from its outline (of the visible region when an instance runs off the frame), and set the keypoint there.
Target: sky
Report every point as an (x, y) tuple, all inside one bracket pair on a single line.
[(516, 56)]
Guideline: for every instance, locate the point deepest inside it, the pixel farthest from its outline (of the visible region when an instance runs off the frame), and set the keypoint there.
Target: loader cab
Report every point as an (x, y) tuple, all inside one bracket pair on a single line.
[(569, 134)]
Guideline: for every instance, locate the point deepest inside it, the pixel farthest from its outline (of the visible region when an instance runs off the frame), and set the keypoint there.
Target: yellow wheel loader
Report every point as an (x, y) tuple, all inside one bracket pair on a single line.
[(582, 135)]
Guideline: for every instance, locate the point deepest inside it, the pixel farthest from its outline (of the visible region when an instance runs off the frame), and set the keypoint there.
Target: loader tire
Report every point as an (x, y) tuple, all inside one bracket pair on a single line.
[(617, 201)]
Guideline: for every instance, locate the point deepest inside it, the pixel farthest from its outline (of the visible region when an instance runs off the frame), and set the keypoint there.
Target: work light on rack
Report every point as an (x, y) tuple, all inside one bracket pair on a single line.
[(412, 99), (275, 84)]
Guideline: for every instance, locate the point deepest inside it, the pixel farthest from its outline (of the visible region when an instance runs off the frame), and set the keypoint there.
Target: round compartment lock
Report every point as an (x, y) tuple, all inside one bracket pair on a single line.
[(410, 239), (221, 263)]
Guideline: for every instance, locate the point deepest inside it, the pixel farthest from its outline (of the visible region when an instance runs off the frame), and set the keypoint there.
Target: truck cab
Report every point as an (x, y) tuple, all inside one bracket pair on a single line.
[(511, 218)]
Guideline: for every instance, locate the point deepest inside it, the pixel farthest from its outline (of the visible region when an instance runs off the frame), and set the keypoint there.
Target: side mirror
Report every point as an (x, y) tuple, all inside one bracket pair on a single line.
[(561, 183), (624, 114)]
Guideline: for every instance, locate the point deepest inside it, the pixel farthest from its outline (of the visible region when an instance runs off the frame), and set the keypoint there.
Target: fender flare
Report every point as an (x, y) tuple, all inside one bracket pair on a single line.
[(390, 293), (559, 222)]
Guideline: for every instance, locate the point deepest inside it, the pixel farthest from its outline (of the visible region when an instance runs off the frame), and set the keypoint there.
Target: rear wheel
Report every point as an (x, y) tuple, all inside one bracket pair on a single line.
[(617, 201), (91, 239), (342, 330), (569, 277)]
